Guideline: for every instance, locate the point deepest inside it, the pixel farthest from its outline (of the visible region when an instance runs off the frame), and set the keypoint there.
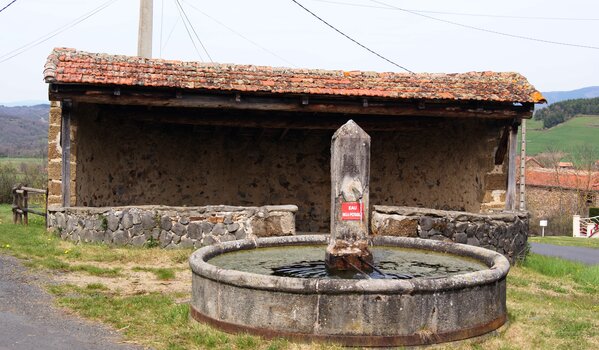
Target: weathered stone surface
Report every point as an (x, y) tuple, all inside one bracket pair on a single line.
[(179, 229), (232, 227), (473, 241), (209, 240), (165, 238), (240, 233), (494, 231), (138, 241), (194, 230), (120, 237), (112, 222), (426, 223), (145, 222), (219, 229), (206, 227), (186, 242), (395, 225), (461, 237), (227, 238), (127, 221), (135, 218), (148, 221), (166, 223)]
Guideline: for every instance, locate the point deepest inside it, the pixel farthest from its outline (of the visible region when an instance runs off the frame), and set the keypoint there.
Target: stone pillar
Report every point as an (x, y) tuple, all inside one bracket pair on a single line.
[(54, 155), (350, 179)]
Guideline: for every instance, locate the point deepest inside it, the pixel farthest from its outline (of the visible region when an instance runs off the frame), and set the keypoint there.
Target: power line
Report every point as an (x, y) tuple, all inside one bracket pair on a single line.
[(168, 38), (348, 37), (462, 13), (5, 7), (54, 33), (239, 34), (188, 32), (487, 30), (194, 30)]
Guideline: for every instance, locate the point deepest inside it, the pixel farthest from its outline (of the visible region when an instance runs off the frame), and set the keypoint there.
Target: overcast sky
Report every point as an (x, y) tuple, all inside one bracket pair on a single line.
[(287, 35)]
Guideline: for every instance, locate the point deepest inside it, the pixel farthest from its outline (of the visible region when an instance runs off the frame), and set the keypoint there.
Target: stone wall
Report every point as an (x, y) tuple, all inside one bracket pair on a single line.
[(505, 233), (124, 158), (171, 227)]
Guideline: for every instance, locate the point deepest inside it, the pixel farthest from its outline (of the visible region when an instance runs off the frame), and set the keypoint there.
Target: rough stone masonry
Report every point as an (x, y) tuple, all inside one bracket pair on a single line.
[(505, 233), (172, 227)]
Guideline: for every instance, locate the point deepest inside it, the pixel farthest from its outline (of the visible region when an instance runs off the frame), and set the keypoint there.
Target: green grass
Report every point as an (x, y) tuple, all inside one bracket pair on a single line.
[(567, 241), (17, 161), (565, 137), (160, 273), (585, 275), (552, 303)]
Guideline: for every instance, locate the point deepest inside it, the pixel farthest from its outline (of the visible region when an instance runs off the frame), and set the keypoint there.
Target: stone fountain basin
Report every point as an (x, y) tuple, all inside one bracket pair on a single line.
[(375, 312)]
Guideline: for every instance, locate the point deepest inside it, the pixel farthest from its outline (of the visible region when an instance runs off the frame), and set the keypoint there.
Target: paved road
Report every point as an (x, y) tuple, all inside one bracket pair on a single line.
[(584, 255), (29, 321)]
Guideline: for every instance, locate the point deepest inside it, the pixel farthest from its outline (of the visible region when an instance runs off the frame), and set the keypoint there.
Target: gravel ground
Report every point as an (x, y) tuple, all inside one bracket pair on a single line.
[(28, 320)]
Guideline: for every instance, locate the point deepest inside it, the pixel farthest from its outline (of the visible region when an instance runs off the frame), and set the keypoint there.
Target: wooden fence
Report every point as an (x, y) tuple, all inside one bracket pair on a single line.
[(20, 204)]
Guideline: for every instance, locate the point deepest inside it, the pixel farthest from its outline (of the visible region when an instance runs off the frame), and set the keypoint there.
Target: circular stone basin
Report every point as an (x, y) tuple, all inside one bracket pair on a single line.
[(457, 293)]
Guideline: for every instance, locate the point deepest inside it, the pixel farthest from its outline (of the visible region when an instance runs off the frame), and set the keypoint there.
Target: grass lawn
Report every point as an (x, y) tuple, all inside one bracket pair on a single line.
[(567, 241), (143, 292), (564, 137)]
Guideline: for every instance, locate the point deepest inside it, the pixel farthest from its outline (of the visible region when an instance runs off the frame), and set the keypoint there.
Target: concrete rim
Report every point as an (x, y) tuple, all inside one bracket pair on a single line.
[(498, 268)]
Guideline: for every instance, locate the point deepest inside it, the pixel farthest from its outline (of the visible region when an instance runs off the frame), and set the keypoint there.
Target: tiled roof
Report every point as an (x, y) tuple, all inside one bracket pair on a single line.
[(69, 66), (567, 179)]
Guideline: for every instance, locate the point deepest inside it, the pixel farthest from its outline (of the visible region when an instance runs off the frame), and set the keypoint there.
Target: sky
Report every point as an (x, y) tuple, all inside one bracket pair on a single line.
[(280, 33)]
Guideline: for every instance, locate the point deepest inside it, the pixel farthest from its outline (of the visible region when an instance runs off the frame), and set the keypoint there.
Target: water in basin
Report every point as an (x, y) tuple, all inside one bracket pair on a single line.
[(307, 262)]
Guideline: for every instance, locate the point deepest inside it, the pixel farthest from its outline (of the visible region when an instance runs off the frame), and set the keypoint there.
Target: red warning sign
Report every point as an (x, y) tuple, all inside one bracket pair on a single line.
[(351, 211)]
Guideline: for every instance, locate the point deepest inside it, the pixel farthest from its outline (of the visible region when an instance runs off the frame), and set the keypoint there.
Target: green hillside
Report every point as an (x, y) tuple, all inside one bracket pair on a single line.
[(565, 136)]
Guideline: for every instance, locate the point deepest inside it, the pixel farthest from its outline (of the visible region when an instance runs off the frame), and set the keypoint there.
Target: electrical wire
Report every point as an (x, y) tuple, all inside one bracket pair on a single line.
[(463, 13), (351, 39), (194, 31), (487, 30), (239, 34), (188, 32), (5, 57), (168, 38), (5, 7)]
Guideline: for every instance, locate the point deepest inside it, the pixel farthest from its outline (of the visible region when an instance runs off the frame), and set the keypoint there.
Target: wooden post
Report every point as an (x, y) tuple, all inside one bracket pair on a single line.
[(46, 216), (15, 205), (522, 206), (25, 206), (350, 181), (510, 198), (65, 135)]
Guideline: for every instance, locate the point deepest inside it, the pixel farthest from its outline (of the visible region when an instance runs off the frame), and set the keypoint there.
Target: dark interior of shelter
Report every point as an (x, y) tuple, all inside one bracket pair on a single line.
[(136, 155)]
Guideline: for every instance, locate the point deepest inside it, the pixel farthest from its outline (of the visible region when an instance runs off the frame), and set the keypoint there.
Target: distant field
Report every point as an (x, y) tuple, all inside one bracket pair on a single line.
[(17, 161), (565, 137)]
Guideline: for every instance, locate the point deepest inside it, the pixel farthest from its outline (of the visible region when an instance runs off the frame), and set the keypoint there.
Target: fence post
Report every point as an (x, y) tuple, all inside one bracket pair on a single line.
[(576, 226), (46, 217), (14, 205), (25, 207)]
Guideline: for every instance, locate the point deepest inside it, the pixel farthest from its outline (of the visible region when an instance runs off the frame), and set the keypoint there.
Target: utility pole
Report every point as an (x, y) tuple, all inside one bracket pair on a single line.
[(144, 39)]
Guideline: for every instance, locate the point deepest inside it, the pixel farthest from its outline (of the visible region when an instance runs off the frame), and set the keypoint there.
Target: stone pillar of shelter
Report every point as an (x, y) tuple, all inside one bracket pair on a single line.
[(350, 179)]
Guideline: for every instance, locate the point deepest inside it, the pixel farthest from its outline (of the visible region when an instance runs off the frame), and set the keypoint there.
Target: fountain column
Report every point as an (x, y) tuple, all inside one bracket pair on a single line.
[(350, 179)]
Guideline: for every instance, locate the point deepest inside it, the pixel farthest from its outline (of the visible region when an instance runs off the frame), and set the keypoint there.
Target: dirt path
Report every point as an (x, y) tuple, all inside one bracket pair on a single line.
[(28, 320)]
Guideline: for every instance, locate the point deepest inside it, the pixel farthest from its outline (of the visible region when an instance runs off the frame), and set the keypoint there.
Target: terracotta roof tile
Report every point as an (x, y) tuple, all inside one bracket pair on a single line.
[(69, 66), (568, 179)]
